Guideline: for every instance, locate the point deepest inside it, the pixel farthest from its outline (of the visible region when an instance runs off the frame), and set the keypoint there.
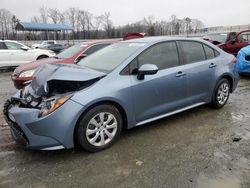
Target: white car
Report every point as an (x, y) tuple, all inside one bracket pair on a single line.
[(13, 53)]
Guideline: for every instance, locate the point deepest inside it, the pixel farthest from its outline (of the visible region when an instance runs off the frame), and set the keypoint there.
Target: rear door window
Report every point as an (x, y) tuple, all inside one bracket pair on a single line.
[(13, 45), (193, 51)]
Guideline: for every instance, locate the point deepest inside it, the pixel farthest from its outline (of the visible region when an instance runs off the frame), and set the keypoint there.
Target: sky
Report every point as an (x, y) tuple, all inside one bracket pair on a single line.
[(210, 12)]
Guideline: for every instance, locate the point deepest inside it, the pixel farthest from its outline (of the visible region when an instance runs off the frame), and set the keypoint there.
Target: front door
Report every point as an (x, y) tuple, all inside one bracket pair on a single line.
[(162, 92)]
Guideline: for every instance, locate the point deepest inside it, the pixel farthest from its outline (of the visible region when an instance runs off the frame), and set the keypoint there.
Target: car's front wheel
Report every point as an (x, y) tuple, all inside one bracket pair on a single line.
[(99, 128), (221, 93)]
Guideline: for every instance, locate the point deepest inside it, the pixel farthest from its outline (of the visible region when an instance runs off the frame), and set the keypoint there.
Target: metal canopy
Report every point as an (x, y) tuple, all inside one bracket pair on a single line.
[(42, 27)]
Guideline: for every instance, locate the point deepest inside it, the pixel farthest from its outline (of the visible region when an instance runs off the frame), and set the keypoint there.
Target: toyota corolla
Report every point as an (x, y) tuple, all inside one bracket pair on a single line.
[(121, 86)]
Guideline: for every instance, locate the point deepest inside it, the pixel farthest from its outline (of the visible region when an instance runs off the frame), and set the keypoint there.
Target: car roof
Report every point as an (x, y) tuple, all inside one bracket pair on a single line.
[(161, 38), (99, 41), (8, 41)]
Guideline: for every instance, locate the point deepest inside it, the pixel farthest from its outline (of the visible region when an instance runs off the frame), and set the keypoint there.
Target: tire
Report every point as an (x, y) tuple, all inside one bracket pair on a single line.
[(221, 93), (42, 57), (99, 128)]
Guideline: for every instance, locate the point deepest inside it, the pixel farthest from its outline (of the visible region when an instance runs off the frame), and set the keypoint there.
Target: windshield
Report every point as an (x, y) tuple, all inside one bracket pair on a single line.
[(109, 57), (69, 52), (222, 37)]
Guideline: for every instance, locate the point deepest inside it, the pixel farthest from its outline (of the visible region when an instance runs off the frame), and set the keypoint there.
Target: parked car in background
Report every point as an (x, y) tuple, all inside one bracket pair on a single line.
[(13, 53), (44, 43), (23, 74), (54, 47), (124, 85), (243, 61), (230, 42)]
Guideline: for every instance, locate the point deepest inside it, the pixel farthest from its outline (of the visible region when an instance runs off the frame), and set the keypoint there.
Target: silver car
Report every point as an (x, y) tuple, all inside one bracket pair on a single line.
[(121, 86)]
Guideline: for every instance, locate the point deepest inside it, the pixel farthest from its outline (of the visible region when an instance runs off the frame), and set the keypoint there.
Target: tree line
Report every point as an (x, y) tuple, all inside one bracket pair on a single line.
[(88, 26)]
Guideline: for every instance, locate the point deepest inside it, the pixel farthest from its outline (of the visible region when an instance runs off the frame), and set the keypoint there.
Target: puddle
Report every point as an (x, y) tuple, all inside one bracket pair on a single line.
[(6, 172), (239, 117), (219, 182), (229, 172)]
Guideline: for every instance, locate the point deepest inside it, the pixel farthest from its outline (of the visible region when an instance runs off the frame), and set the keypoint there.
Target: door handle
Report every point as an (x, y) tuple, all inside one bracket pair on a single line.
[(212, 65), (180, 74)]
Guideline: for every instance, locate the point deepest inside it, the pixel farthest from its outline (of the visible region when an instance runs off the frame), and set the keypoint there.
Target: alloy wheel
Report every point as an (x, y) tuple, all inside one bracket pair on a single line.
[(101, 129)]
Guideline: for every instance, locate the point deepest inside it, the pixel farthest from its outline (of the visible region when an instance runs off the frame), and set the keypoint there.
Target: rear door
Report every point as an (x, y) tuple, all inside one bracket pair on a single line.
[(4, 55), (18, 56), (200, 67), (162, 92)]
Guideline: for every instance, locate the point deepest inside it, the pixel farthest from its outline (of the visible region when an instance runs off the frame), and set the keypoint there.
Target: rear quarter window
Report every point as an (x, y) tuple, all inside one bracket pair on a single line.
[(210, 52), (3, 46), (193, 51)]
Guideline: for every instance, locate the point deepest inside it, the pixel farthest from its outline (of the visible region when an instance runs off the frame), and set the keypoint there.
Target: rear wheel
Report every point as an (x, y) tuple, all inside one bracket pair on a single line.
[(221, 93), (99, 128), (42, 56)]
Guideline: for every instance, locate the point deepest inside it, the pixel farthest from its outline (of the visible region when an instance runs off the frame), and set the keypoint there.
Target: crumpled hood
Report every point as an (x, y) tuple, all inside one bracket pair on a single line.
[(62, 78)]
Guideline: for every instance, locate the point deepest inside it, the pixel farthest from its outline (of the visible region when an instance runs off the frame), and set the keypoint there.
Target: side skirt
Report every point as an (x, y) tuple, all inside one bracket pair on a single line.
[(170, 113)]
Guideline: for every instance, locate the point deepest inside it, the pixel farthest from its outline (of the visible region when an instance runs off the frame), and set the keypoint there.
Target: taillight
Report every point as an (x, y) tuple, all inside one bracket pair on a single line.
[(234, 60)]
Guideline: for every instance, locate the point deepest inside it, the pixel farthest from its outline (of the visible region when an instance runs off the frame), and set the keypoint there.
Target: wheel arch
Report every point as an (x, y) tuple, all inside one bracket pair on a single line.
[(229, 78), (42, 56), (107, 102)]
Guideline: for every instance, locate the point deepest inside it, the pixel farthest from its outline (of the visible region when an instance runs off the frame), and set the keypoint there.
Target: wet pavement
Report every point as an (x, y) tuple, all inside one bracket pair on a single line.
[(202, 147)]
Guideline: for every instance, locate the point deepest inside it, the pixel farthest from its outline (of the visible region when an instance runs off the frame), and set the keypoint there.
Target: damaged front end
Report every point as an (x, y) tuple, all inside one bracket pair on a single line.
[(51, 87)]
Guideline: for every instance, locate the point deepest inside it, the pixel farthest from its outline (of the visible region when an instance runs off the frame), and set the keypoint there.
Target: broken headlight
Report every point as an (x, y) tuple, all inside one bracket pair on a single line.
[(50, 105)]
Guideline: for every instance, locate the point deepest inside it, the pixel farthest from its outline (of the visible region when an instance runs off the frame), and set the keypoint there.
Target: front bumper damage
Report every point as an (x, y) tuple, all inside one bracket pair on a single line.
[(54, 131)]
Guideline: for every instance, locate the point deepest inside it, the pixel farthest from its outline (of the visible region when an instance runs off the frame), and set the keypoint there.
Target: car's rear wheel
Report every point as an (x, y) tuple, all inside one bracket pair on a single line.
[(99, 128), (42, 57), (221, 93)]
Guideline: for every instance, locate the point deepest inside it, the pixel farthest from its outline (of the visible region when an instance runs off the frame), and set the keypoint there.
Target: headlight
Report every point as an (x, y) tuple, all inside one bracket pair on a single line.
[(52, 104), (28, 73)]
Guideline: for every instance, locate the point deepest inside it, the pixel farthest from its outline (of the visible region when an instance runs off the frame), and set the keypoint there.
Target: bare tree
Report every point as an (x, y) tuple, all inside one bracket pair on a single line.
[(44, 14), (196, 25), (54, 15), (88, 17), (62, 18), (72, 17), (149, 22), (5, 22), (97, 22), (107, 23), (35, 19)]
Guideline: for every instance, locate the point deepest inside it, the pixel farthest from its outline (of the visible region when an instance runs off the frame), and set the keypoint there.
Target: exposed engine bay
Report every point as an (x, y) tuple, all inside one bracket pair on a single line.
[(53, 84)]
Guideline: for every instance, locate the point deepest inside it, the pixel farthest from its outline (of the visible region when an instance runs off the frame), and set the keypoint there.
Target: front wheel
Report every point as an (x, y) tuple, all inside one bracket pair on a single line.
[(221, 93), (99, 128), (41, 57)]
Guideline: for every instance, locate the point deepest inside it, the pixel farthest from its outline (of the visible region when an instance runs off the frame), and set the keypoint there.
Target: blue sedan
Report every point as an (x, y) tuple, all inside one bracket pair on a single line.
[(121, 86)]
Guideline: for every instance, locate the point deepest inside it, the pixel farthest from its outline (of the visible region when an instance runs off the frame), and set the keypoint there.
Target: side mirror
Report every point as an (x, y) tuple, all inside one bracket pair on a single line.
[(80, 57), (25, 48), (146, 69)]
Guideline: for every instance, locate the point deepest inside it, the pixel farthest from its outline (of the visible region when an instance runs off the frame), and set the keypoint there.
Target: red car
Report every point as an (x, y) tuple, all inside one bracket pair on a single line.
[(22, 75), (230, 42)]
